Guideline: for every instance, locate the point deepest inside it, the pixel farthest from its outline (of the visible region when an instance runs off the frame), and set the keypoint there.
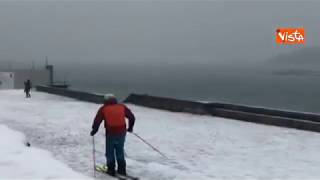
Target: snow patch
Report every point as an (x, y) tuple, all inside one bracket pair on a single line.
[(19, 161)]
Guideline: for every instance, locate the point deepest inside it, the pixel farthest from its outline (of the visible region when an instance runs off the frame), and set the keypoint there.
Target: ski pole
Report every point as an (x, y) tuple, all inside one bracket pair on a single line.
[(155, 149), (94, 157)]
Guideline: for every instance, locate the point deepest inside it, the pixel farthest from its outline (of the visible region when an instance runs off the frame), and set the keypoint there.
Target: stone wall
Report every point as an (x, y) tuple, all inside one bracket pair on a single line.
[(169, 104), (289, 119), (281, 118), (83, 96)]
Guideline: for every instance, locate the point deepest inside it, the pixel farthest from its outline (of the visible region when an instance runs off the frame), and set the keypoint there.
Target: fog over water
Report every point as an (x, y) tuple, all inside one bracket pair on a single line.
[(208, 51)]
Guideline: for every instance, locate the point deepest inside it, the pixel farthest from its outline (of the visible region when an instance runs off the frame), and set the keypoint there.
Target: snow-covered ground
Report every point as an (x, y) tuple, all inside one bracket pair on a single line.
[(19, 161), (198, 147)]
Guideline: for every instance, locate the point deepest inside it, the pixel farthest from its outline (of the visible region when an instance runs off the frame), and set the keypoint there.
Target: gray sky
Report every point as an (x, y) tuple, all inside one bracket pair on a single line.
[(116, 34)]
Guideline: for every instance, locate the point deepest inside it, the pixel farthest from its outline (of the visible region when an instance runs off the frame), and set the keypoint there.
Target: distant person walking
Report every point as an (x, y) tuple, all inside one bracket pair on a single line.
[(114, 116), (27, 88)]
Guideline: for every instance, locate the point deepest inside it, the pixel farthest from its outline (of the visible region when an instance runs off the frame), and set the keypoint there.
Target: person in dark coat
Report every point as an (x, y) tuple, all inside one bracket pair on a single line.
[(114, 116), (27, 88)]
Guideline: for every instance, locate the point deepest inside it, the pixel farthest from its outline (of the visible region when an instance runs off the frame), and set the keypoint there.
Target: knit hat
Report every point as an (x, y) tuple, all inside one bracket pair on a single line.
[(107, 97)]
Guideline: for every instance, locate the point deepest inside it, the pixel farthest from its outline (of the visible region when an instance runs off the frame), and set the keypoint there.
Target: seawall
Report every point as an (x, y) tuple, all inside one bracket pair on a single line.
[(80, 95), (261, 115)]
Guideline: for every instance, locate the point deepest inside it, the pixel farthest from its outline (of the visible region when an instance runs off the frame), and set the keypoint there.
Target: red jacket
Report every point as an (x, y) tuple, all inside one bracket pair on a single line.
[(113, 115)]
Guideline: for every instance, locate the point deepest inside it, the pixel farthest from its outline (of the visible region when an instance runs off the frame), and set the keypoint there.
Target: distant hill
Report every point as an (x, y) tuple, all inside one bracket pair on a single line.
[(302, 57), (297, 72), (301, 62)]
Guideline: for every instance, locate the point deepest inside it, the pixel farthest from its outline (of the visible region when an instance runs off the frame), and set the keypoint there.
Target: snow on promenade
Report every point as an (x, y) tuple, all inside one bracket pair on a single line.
[(19, 161), (198, 147)]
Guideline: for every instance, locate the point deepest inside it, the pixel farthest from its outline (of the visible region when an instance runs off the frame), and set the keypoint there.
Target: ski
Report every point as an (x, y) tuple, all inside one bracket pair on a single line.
[(103, 169), (128, 177)]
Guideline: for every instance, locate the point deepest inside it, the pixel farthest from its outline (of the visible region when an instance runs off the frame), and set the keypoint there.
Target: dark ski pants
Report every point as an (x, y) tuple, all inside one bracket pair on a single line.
[(27, 93), (115, 151)]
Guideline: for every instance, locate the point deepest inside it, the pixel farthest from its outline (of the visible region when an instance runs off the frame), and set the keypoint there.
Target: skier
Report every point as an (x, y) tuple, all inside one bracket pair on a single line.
[(27, 88), (114, 115)]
